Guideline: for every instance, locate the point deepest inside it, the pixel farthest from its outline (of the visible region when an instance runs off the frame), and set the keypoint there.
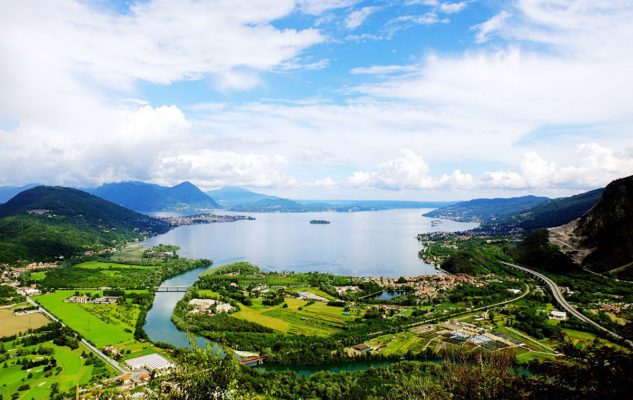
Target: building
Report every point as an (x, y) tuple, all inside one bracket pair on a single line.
[(560, 315), (363, 348), (78, 299), (154, 363), (106, 300)]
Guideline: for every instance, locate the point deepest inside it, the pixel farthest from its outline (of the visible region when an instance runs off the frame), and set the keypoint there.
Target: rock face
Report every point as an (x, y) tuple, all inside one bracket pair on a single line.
[(607, 229)]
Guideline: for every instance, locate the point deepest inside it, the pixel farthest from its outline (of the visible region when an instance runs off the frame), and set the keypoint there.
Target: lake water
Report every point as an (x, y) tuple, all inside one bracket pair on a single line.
[(380, 243), (373, 243)]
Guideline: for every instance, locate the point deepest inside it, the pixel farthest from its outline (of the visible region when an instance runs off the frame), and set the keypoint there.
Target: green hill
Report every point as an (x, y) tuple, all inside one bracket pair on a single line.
[(486, 210), (554, 212), (45, 223)]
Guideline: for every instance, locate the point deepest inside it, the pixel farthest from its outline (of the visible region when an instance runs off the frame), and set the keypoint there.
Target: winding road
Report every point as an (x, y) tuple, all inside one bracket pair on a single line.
[(558, 296)]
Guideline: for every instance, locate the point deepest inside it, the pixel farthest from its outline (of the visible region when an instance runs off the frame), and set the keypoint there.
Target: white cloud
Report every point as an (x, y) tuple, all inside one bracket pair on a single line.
[(383, 69), (407, 171), (317, 7), (594, 166), (429, 18), (485, 29), (325, 183), (159, 41), (222, 168), (357, 17), (67, 78), (452, 8)]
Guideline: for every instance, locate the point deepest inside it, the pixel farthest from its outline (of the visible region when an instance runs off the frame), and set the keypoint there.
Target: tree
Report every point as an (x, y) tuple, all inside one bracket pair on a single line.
[(202, 375)]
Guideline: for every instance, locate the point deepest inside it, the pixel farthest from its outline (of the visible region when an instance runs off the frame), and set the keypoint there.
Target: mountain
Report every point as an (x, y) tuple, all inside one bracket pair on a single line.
[(551, 213), (45, 222), (606, 231), (487, 210), (7, 192), (230, 196), (146, 197), (240, 199)]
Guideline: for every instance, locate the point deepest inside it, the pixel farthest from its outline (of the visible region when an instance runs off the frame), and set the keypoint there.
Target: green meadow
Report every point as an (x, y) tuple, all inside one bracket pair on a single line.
[(95, 274), (90, 326), (317, 319)]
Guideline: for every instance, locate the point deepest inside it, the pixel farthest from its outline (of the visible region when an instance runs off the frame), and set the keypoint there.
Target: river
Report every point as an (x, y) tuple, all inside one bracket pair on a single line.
[(380, 243)]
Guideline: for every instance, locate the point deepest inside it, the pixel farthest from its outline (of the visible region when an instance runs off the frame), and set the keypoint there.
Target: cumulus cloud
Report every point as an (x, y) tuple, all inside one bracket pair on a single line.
[(408, 171), (595, 166)]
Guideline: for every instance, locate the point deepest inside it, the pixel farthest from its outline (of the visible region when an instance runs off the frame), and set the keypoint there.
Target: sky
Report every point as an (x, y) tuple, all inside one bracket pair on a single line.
[(319, 99)]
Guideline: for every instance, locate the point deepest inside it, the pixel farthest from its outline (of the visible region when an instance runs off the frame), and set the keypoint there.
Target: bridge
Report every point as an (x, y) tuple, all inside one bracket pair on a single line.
[(558, 296), (172, 288)]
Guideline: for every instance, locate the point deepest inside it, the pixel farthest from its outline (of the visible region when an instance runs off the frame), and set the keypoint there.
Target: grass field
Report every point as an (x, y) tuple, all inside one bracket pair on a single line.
[(73, 372), (317, 319), (95, 274), (398, 343), (11, 324), (89, 326)]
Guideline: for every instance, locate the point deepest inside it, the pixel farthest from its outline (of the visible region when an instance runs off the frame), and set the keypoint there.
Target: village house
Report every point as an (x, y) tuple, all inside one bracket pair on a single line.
[(78, 299), (559, 315)]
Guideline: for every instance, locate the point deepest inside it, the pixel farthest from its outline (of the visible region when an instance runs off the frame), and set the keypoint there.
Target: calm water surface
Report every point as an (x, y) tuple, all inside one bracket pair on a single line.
[(377, 243)]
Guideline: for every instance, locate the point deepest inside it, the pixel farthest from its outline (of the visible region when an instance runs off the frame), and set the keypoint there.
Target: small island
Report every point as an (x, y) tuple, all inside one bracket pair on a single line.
[(319, 222)]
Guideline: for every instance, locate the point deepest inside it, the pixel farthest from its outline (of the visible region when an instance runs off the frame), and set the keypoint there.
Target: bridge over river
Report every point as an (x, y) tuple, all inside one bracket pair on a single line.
[(172, 288)]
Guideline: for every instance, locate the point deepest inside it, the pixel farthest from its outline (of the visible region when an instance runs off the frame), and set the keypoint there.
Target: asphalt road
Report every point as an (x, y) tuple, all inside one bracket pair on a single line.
[(558, 296)]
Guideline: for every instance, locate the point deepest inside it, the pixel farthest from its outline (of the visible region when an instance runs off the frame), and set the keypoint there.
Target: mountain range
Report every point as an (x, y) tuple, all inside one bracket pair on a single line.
[(147, 197)]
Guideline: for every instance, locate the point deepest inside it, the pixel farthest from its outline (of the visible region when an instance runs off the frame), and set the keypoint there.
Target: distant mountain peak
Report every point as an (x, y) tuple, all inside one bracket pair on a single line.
[(148, 197)]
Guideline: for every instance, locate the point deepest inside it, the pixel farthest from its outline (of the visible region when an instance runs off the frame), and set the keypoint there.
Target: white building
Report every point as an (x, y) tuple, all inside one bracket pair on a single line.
[(152, 362), (560, 315)]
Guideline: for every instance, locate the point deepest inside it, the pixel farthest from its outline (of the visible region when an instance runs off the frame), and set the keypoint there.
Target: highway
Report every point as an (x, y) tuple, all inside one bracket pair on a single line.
[(558, 296)]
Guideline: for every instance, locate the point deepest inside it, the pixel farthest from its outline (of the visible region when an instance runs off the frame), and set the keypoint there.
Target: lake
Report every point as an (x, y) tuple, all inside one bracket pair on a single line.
[(371, 243)]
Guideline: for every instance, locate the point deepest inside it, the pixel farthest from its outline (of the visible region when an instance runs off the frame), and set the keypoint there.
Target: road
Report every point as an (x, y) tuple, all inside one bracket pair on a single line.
[(558, 296), (98, 352)]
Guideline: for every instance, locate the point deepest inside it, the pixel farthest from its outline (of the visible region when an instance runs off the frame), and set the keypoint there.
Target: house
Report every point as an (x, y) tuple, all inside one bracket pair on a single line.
[(559, 315), (363, 348), (124, 379), (111, 351), (144, 377), (154, 363), (78, 299), (106, 300)]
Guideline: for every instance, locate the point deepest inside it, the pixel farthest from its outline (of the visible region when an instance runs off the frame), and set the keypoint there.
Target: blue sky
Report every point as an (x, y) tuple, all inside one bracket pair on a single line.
[(412, 99)]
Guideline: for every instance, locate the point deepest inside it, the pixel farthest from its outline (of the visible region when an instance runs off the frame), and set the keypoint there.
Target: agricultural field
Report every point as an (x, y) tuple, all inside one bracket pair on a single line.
[(398, 343), (317, 319), (11, 324), (83, 321)]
